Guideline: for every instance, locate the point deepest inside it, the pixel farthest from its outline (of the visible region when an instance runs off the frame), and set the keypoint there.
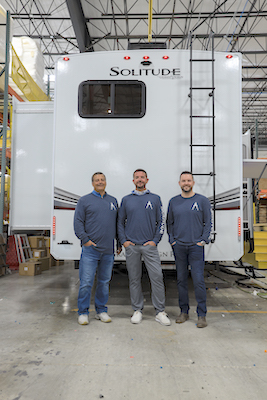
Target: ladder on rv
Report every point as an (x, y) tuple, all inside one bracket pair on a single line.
[(23, 248), (210, 90)]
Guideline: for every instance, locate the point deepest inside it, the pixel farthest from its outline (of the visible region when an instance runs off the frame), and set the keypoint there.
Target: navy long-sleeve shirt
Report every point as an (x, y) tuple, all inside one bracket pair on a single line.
[(95, 219), (189, 219), (140, 218)]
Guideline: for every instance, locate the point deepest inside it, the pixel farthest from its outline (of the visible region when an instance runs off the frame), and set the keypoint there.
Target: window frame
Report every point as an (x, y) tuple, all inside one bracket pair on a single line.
[(112, 83)]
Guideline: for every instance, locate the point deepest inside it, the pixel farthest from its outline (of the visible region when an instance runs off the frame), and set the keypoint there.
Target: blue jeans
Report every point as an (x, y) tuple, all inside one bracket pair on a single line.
[(192, 255), (92, 262)]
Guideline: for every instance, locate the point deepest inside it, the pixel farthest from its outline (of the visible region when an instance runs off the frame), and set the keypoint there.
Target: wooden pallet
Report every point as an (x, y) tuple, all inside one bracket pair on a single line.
[(23, 248)]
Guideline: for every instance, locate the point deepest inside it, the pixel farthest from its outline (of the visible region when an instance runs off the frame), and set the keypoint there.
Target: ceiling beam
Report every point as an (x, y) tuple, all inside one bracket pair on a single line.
[(79, 25), (48, 17), (58, 54), (203, 14), (253, 90), (107, 17), (253, 51), (254, 66), (167, 36), (244, 21), (264, 79)]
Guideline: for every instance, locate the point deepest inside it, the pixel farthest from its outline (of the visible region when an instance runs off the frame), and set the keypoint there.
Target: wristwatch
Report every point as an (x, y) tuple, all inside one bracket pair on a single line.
[(203, 242)]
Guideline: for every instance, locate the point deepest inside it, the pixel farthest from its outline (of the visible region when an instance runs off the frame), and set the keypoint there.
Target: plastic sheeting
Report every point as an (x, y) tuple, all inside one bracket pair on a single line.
[(31, 57), (24, 81), (27, 68)]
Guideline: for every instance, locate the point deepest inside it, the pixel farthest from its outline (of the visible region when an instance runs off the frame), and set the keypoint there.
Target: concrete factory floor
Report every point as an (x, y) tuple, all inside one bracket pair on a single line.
[(46, 355)]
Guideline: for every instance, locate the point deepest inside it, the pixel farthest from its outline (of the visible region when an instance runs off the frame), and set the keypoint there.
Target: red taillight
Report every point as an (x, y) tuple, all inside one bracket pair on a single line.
[(146, 57), (239, 228), (54, 226), (165, 57), (229, 56), (127, 58), (66, 58)]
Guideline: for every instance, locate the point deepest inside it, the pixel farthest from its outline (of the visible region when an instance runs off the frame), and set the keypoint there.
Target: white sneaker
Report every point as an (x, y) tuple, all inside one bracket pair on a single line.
[(83, 319), (162, 318), (136, 317), (104, 317)]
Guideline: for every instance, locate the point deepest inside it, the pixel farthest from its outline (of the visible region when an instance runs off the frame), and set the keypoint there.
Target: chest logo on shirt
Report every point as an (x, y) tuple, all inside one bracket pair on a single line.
[(195, 206), (149, 205), (112, 206)]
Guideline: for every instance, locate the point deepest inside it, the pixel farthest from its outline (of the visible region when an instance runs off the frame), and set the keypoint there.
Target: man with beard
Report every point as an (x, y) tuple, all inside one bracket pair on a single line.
[(189, 226), (140, 228)]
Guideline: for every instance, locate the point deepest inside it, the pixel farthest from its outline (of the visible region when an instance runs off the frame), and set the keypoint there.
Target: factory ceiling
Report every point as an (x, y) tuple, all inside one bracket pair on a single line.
[(72, 26)]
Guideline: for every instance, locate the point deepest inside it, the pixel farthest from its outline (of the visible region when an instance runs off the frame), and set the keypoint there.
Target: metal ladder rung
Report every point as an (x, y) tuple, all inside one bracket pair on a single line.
[(211, 90), (208, 174), (202, 145), (202, 116), (202, 88), (202, 59)]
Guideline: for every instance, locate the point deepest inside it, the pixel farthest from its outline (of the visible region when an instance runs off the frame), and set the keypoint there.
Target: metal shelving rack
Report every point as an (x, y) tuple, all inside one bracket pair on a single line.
[(3, 248), (3, 133)]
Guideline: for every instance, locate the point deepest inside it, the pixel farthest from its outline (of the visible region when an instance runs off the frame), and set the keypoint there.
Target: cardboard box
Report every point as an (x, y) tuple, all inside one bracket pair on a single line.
[(36, 253), (37, 242), (45, 263), (47, 242), (263, 184), (30, 268)]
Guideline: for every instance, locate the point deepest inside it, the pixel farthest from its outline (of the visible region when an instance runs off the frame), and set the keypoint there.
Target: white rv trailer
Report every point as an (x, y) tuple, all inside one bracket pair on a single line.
[(31, 166), (122, 110)]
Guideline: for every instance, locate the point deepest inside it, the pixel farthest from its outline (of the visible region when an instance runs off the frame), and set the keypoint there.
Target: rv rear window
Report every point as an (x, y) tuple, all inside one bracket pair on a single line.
[(111, 99)]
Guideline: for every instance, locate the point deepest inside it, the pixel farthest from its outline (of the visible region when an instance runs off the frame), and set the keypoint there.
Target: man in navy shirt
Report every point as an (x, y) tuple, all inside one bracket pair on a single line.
[(95, 225), (189, 226), (140, 228)]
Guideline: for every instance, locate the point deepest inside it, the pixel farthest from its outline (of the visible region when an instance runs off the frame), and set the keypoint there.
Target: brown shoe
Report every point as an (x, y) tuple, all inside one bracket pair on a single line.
[(182, 318), (202, 323)]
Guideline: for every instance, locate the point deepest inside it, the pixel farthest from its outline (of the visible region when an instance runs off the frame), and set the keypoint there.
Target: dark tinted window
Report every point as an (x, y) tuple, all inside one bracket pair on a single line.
[(128, 99), (115, 99), (95, 99)]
